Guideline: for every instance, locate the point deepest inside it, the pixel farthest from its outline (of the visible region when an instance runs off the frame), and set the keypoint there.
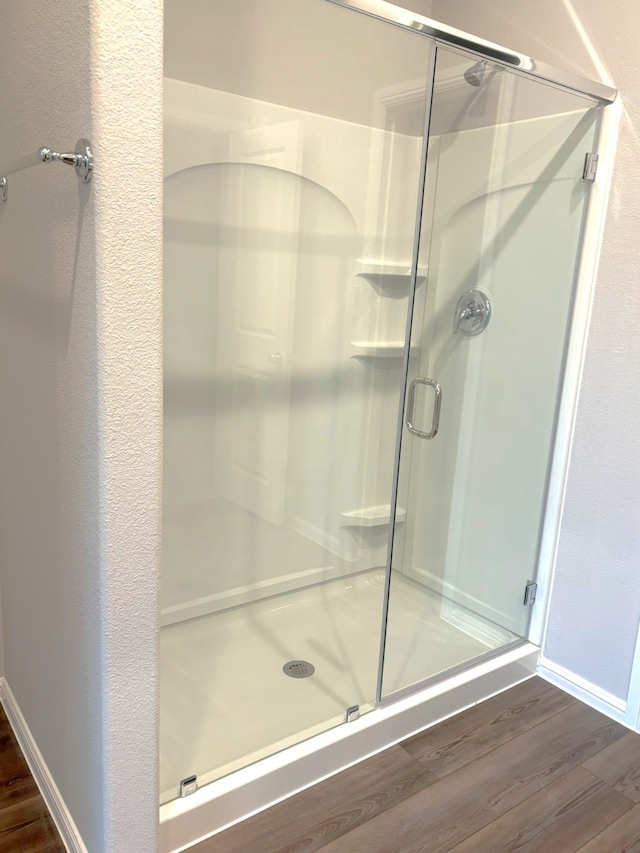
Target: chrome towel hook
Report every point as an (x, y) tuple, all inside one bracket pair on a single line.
[(81, 159)]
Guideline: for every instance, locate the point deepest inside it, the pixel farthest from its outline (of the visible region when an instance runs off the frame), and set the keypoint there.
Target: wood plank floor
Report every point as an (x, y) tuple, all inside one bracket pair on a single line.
[(25, 823), (529, 770)]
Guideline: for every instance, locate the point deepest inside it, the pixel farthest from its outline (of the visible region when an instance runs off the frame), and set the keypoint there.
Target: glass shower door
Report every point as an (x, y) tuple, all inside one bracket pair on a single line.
[(292, 162), (502, 217)]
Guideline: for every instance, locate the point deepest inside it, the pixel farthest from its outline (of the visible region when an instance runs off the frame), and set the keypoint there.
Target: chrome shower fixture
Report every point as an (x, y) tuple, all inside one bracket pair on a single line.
[(475, 75), (472, 314)]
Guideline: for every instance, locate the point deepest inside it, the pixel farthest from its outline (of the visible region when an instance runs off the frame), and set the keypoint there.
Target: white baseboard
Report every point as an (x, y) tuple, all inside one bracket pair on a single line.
[(584, 690), (44, 780)]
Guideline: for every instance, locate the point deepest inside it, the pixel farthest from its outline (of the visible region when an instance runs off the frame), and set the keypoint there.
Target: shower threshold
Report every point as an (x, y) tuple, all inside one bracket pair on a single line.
[(233, 798)]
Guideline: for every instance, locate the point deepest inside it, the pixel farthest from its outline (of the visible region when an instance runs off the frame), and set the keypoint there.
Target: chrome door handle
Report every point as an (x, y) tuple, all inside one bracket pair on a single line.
[(411, 403)]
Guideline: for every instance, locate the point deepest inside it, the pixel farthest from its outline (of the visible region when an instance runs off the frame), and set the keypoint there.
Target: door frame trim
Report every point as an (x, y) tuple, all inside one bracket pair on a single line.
[(452, 37)]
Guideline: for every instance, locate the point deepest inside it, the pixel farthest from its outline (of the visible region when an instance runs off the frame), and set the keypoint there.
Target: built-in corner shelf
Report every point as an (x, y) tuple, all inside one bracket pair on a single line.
[(372, 516), (379, 349), (391, 279)]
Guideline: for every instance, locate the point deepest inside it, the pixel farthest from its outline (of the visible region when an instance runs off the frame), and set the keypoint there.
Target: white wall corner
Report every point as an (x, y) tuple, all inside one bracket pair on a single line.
[(51, 795), (126, 84)]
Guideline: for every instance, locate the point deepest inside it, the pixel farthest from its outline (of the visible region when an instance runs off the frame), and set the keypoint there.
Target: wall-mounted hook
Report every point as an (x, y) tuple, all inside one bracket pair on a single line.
[(81, 159)]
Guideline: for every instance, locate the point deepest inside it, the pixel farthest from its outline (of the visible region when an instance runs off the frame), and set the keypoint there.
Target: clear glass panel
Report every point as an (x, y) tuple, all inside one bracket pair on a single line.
[(502, 217), (292, 175)]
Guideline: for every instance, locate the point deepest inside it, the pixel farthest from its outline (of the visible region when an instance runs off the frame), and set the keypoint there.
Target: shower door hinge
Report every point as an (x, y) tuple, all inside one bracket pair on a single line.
[(590, 166), (530, 591), (188, 786)]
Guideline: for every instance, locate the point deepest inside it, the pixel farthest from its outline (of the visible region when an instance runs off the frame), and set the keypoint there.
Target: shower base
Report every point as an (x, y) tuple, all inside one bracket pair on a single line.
[(226, 703)]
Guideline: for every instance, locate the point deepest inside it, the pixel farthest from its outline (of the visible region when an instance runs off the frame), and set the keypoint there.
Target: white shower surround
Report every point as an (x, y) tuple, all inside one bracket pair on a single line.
[(220, 803), (199, 122), (201, 127)]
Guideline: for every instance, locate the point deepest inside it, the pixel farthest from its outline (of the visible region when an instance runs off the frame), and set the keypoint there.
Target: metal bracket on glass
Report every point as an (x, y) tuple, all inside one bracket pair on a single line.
[(590, 166), (530, 592), (188, 786), (353, 713), (411, 404)]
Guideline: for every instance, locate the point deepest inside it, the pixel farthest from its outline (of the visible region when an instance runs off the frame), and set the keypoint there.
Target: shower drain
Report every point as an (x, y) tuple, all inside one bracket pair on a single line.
[(298, 669)]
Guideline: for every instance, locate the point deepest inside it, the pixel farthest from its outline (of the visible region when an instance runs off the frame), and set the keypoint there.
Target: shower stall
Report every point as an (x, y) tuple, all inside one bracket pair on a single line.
[(373, 227)]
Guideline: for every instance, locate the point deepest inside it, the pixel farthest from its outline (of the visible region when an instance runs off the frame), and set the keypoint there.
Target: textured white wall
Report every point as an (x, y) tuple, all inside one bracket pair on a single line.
[(80, 286), (127, 105), (596, 596)]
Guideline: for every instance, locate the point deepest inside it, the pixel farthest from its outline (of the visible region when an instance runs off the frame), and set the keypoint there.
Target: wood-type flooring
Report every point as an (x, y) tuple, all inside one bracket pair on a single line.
[(531, 769), (25, 823)]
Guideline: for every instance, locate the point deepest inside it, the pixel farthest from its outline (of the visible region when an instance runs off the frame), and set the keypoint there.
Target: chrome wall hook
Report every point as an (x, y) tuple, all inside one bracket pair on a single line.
[(81, 159)]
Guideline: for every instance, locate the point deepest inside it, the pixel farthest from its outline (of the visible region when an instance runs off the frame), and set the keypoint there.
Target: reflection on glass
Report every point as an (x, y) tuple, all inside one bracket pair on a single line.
[(293, 165), (292, 173), (502, 216)]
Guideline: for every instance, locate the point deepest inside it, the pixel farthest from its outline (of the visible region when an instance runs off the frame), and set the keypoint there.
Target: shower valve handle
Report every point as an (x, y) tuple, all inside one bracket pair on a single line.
[(472, 314)]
